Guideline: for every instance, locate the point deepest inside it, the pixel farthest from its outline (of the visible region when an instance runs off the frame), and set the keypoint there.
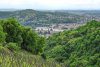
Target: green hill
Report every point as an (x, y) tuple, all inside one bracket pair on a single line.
[(36, 18), (77, 48), (22, 47)]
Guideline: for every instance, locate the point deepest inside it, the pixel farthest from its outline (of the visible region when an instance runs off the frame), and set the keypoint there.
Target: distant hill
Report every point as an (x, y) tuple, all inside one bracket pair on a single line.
[(9, 9), (35, 18)]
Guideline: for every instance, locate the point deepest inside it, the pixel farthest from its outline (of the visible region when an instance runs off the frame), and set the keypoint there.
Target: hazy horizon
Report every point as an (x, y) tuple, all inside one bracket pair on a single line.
[(50, 9), (51, 4)]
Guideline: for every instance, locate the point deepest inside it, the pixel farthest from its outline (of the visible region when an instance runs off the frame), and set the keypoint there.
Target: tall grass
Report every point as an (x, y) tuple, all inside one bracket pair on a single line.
[(24, 59)]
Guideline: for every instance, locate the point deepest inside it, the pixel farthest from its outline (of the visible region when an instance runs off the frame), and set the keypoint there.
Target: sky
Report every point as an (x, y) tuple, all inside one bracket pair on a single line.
[(51, 4)]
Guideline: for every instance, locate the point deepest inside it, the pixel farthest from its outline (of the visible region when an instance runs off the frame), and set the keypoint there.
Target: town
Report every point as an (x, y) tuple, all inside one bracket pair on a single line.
[(55, 28)]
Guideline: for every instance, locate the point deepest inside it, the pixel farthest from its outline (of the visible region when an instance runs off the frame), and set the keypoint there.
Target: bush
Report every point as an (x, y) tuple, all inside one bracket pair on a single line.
[(13, 46)]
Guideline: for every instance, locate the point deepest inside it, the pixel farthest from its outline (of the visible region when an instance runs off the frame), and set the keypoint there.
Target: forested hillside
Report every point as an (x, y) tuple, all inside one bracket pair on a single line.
[(76, 48), (22, 46), (36, 18), (30, 16), (13, 36)]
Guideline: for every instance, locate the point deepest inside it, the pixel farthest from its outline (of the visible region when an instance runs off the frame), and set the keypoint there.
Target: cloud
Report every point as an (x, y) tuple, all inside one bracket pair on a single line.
[(51, 4)]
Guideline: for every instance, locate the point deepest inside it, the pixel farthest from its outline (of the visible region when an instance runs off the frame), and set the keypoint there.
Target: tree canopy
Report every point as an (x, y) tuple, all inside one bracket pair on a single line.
[(78, 47), (26, 38)]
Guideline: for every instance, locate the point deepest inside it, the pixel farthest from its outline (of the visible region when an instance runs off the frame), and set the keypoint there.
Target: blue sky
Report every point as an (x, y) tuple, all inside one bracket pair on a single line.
[(50, 4)]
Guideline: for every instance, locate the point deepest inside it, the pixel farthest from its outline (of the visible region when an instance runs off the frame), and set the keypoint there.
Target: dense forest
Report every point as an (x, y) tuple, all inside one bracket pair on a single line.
[(11, 32), (77, 48), (22, 46)]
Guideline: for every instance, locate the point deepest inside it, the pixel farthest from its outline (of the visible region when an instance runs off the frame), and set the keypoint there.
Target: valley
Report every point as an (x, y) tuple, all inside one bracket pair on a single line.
[(48, 22), (30, 38), (55, 28)]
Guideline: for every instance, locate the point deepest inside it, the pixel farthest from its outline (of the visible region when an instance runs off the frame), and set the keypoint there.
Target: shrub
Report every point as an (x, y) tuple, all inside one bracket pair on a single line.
[(13, 46)]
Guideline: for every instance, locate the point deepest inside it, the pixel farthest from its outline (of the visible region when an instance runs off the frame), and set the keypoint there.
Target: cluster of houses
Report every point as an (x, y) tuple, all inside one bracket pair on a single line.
[(54, 28)]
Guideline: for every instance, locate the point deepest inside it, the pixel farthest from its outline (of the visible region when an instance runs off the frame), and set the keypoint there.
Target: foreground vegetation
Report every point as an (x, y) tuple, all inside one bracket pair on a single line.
[(14, 36), (18, 44), (22, 47), (24, 59), (76, 48)]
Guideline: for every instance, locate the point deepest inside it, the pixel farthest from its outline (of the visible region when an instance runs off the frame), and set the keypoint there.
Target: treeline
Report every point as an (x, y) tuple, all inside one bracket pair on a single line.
[(15, 36), (76, 48)]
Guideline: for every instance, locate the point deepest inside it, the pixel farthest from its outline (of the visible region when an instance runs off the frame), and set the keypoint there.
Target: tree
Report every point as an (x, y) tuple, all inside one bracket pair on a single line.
[(12, 28)]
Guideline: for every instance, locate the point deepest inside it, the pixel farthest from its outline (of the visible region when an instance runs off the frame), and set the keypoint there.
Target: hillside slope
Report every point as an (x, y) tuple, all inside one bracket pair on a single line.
[(21, 47), (35, 18), (76, 48), (22, 58)]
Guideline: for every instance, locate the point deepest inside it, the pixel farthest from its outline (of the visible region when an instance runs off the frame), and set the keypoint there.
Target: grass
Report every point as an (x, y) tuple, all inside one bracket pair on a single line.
[(24, 59)]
